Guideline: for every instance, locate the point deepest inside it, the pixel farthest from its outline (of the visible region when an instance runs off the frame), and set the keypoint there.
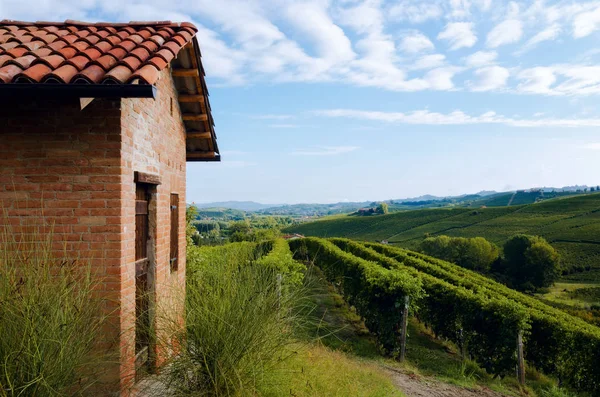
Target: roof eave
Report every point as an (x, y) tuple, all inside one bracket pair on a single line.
[(78, 90)]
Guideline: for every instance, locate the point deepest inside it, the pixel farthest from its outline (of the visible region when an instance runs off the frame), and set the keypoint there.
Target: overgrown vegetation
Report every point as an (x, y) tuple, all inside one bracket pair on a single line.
[(238, 317), (50, 320)]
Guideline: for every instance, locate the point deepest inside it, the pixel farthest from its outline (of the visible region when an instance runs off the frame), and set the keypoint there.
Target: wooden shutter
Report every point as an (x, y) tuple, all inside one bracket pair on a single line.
[(174, 232)]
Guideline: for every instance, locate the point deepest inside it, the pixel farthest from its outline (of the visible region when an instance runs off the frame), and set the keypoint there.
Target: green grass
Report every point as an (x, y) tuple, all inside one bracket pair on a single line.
[(579, 295), (50, 320), (571, 225), (316, 370)]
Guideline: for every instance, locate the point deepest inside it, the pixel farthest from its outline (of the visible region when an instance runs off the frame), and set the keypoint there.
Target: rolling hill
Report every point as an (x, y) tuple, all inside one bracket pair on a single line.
[(571, 225)]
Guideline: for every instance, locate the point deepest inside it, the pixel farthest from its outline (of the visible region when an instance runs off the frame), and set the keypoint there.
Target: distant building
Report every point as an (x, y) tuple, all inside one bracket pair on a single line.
[(384, 242), (293, 236)]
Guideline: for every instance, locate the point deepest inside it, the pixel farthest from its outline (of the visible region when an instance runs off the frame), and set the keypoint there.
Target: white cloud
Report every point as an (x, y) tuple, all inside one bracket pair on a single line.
[(490, 78), (591, 146), (415, 42), (458, 35), (224, 62), (272, 116), (441, 78), (364, 17), (457, 117), (537, 80), (326, 151), (330, 40), (586, 23), (550, 33), (481, 58), (428, 62), (415, 11), (283, 125), (580, 80), (506, 32)]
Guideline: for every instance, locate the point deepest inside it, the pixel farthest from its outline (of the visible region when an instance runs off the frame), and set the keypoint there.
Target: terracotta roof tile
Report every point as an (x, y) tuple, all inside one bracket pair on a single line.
[(4, 59), (34, 74), (22, 62), (63, 74), (89, 53), (147, 74), (8, 72), (118, 75)]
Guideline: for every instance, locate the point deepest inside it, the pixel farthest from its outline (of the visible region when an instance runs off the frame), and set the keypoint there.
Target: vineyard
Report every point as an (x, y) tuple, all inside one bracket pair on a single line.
[(571, 225), (478, 314)]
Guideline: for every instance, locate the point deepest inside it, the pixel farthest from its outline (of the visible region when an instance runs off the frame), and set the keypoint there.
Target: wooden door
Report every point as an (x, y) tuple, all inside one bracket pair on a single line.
[(142, 285)]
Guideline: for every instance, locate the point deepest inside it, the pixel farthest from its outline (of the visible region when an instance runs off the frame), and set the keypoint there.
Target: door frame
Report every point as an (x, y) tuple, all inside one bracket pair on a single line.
[(145, 275)]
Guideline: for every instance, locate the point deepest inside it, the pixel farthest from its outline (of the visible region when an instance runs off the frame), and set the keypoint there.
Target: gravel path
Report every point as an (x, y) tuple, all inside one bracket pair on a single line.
[(415, 386)]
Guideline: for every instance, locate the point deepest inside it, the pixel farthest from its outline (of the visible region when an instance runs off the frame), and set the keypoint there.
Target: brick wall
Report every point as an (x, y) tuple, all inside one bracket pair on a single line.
[(60, 173), (71, 171)]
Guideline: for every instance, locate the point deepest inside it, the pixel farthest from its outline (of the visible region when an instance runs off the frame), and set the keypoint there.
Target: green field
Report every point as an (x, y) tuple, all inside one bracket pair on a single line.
[(571, 225)]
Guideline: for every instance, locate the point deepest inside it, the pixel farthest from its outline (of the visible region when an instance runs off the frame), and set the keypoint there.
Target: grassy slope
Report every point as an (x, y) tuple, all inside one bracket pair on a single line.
[(571, 224)]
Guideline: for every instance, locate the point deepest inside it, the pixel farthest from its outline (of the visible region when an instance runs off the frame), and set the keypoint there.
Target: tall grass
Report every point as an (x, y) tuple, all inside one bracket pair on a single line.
[(237, 323), (49, 319)]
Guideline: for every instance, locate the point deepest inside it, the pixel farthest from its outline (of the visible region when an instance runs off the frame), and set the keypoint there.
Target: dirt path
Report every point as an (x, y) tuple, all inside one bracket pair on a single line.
[(415, 386)]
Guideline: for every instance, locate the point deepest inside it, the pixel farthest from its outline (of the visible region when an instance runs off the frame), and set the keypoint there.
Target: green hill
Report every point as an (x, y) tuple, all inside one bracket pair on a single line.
[(571, 225)]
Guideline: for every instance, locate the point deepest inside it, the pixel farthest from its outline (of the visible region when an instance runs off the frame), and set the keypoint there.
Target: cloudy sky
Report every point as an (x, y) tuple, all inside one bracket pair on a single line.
[(333, 100)]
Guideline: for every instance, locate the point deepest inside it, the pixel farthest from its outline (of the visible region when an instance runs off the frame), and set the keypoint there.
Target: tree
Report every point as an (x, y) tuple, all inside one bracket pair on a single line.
[(472, 253), (191, 214), (239, 231), (382, 208), (530, 262)]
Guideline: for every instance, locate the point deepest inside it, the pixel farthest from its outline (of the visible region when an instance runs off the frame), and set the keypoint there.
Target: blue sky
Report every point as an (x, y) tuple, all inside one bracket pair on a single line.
[(325, 100)]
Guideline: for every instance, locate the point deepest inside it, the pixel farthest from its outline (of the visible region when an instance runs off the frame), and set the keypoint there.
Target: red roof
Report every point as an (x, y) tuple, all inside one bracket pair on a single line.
[(111, 59), (73, 52)]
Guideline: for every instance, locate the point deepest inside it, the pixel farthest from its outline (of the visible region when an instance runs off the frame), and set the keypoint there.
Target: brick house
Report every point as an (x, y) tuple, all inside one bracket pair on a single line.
[(98, 121)]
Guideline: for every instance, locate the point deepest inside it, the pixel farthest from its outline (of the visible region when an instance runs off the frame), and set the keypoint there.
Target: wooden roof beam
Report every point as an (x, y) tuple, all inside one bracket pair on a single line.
[(191, 98), (195, 117), (185, 72), (198, 135)]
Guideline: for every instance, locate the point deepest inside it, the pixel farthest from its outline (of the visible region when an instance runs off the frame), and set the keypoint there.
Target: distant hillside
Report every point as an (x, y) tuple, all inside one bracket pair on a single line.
[(572, 225), (236, 205), (482, 198), (221, 214)]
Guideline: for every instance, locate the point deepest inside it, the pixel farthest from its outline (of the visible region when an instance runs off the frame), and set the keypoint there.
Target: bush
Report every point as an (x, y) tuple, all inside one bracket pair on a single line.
[(49, 320), (237, 322), (471, 253), (530, 262)]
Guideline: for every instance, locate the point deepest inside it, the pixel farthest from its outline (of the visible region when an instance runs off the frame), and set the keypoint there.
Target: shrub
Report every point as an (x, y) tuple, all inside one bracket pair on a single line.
[(49, 320), (471, 253), (530, 262), (237, 324)]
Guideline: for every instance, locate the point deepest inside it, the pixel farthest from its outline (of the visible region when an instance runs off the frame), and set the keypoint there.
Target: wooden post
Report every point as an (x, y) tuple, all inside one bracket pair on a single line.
[(463, 346), (279, 279), (403, 330), (520, 359)]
